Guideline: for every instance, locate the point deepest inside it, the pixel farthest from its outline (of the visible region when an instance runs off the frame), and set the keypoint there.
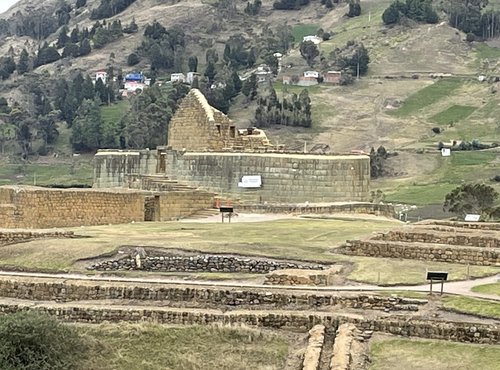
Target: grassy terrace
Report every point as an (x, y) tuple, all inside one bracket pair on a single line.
[(155, 347), (292, 239), (472, 306), (488, 289), (427, 96), (465, 166), (453, 114), (389, 353)]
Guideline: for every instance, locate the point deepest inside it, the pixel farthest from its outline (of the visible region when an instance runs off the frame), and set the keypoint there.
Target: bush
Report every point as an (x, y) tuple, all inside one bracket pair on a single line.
[(133, 59), (436, 130), (32, 341), (470, 37)]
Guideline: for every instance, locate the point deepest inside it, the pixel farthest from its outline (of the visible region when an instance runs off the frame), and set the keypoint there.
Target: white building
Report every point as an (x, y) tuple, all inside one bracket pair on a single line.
[(177, 77), (191, 76), (312, 74), (315, 39), (101, 75)]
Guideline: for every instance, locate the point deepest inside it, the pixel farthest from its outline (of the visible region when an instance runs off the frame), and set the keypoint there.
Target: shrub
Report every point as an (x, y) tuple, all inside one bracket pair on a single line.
[(32, 341)]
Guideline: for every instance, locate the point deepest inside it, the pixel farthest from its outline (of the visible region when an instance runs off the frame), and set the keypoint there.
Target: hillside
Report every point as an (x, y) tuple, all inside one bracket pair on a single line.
[(397, 104)]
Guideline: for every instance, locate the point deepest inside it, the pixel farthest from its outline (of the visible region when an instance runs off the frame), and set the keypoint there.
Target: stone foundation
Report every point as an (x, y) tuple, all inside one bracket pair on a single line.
[(314, 346), (341, 358), (10, 237), (302, 277), (420, 251)]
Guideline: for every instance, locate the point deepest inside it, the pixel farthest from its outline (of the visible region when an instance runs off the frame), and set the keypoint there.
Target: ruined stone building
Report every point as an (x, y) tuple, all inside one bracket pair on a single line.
[(205, 150), (206, 156)]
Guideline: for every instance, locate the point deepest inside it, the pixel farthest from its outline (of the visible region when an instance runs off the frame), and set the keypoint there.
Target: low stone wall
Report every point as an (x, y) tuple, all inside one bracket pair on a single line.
[(426, 252), (34, 207), (201, 263), (353, 208), (422, 236), (43, 290), (341, 358), (314, 346), (9, 236), (302, 277), (465, 225), (454, 331)]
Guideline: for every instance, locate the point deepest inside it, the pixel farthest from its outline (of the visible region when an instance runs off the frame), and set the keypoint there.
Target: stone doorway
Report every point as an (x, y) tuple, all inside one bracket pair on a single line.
[(152, 208)]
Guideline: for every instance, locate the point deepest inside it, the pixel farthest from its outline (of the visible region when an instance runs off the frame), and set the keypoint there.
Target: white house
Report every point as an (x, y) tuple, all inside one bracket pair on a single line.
[(315, 39), (191, 76), (177, 77), (101, 75), (312, 74), (133, 86)]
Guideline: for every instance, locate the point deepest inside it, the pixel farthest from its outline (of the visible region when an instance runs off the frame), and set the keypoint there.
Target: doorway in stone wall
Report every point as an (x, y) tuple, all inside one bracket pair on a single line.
[(152, 208), (162, 162)]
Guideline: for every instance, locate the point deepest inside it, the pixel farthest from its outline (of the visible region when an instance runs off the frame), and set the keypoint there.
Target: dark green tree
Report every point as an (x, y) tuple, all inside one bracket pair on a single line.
[(86, 129), (193, 63), (85, 48), (309, 51), (63, 37), (23, 64), (471, 198)]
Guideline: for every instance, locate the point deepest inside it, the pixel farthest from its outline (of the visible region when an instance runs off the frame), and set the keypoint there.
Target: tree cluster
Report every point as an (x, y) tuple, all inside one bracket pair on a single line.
[(292, 110), (469, 145), (253, 8), (354, 9), (110, 8), (472, 198), (352, 59), (289, 4), (473, 18), (377, 162), (417, 10), (238, 54), (164, 48)]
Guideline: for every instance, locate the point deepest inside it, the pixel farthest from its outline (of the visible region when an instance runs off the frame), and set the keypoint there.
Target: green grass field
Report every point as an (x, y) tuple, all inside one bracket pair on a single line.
[(156, 347), (453, 114), (301, 30), (310, 240), (488, 289), (427, 96), (419, 354), (472, 306), (484, 51), (112, 114)]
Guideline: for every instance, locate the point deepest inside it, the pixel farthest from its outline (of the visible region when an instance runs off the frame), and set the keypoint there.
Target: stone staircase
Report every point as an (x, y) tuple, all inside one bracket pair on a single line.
[(204, 213), (157, 183)]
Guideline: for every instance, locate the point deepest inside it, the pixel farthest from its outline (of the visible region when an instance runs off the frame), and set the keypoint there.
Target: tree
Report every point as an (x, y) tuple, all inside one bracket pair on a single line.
[(193, 63), (80, 3), (71, 50), (249, 87), (32, 341), (133, 59), (471, 198), (85, 48), (210, 72), (390, 15), (23, 64), (354, 9), (86, 133), (63, 37), (309, 51)]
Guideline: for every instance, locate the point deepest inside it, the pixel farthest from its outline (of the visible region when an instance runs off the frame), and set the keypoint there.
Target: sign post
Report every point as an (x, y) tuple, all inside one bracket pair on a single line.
[(441, 276), (223, 210)]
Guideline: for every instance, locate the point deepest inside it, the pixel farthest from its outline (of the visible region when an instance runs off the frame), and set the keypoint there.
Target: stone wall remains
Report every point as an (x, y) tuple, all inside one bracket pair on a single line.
[(296, 320), (9, 236), (385, 210), (35, 207), (465, 225), (201, 263), (419, 251), (303, 277), (286, 178), (451, 238), (341, 358), (111, 167), (185, 296)]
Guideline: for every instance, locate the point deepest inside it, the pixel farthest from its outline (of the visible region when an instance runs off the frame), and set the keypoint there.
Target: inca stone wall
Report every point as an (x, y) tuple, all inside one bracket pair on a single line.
[(201, 263), (112, 166), (454, 331), (196, 126), (8, 236), (451, 238), (287, 178), (386, 210), (38, 208), (420, 251), (195, 296), (178, 204)]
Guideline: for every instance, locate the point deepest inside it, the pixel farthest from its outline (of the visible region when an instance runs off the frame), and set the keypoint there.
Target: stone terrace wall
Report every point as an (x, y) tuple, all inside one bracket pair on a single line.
[(465, 225), (352, 208), (111, 167), (286, 178), (423, 236), (43, 290), (34, 207), (454, 331), (437, 252), (178, 204), (201, 263), (9, 236)]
